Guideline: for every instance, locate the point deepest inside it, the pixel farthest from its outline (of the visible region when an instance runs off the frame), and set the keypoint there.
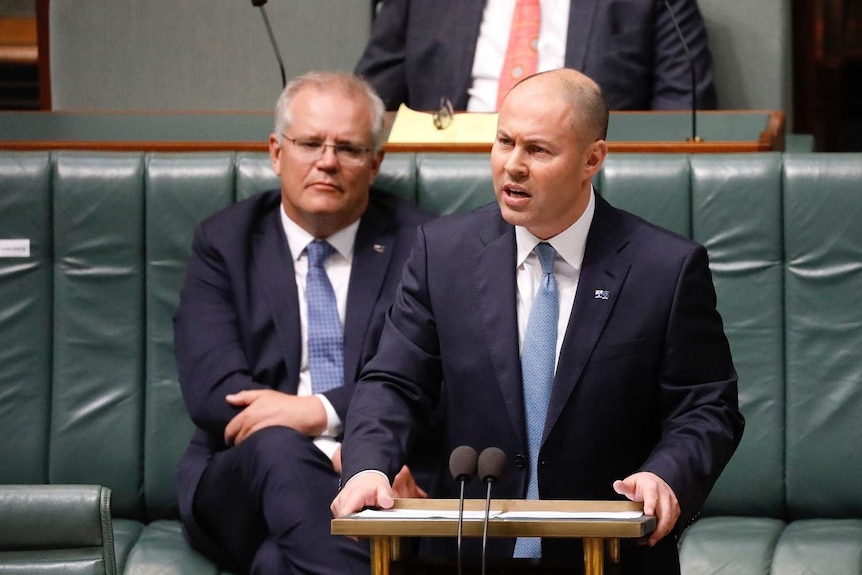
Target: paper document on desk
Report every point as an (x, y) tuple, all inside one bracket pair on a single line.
[(412, 127), (421, 514), (518, 515)]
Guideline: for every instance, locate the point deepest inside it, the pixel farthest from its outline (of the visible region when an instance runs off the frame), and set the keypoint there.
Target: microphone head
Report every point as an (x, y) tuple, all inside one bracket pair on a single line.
[(462, 463), (492, 464)]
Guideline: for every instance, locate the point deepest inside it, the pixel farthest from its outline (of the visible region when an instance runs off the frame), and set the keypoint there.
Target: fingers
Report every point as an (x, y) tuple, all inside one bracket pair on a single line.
[(231, 430), (365, 489), (405, 485), (649, 495), (666, 512), (383, 498), (242, 398), (626, 489), (658, 499), (238, 429)]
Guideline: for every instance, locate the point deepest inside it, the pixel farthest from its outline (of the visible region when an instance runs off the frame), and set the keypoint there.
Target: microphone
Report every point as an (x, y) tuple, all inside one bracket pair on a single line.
[(462, 466), (259, 4), (492, 464), (694, 137)]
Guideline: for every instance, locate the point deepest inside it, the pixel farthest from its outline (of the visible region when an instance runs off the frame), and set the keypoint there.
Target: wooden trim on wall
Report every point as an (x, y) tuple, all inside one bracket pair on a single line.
[(18, 41)]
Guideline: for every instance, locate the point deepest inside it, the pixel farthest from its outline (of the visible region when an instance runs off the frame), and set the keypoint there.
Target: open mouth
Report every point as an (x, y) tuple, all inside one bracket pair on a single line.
[(515, 191)]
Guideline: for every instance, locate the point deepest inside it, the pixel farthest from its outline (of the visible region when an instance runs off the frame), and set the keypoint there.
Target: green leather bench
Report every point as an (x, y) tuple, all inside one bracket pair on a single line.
[(92, 254)]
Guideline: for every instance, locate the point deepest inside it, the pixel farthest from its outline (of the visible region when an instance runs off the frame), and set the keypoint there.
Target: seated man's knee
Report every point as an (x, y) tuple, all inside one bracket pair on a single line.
[(272, 446)]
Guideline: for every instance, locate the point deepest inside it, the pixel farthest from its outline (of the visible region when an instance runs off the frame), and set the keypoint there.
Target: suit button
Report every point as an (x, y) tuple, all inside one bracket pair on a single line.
[(520, 461)]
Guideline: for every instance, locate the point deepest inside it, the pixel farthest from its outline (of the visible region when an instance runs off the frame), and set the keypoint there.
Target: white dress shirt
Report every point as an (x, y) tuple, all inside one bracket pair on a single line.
[(570, 245), (337, 268), (494, 39)]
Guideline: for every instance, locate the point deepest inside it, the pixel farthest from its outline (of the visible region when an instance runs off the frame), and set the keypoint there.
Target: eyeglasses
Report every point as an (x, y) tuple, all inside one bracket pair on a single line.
[(443, 116), (311, 150)]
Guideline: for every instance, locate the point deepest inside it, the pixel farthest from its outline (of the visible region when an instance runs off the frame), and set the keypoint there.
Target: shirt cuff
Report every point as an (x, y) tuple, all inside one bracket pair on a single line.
[(327, 445), (333, 422)]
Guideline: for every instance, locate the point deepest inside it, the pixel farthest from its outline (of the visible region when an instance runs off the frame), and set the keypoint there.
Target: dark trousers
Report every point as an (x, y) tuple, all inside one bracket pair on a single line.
[(265, 504)]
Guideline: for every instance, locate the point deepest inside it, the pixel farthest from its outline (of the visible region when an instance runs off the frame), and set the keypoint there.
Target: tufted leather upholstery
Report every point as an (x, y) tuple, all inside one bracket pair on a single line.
[(56, 529), (88, 391)]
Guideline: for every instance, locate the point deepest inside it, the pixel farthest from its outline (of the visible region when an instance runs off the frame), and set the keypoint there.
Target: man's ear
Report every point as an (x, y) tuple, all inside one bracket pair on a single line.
[(275, 151), (376, 160), (596, 155)]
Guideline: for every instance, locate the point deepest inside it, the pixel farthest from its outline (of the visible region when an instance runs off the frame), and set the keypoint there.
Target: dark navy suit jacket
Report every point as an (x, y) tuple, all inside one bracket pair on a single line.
[(644, 382), (422, 50), (237, 324)]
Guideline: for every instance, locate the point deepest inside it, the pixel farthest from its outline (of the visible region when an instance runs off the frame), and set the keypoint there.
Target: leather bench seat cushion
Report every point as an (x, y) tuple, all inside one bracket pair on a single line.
[(160, 543), (126, 534), (819, 547), (723, 545)]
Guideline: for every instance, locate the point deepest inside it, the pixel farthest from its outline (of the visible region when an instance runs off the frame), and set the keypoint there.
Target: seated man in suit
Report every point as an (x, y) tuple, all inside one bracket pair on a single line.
[(581, 340), (471, 53), (283, 303)]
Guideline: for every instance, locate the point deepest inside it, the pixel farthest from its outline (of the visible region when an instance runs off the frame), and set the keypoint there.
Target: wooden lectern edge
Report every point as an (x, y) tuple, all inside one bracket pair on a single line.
[(564, 505), (567, 528)]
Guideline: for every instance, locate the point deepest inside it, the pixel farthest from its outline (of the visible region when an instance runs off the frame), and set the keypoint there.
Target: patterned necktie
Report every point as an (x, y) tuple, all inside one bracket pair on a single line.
[(522, 53), (538, 359), (325, 336)]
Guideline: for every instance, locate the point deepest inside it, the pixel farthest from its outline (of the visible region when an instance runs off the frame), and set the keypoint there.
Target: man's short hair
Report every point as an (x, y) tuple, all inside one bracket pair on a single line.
[(344, 82)]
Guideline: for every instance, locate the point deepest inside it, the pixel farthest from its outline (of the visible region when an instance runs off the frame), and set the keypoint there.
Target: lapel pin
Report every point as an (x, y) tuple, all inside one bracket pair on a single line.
[(379, 248), (602, 294)]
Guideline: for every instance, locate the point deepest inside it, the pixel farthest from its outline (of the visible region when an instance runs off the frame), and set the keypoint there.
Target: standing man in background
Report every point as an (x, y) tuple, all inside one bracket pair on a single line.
[(471, 53), (581, 340), (283, 303)]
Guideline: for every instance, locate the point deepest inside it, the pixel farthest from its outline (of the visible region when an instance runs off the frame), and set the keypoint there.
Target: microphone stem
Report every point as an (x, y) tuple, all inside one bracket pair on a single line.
[(274, 45), (690, 67), (485, 527), (693, 105), (460, 523)]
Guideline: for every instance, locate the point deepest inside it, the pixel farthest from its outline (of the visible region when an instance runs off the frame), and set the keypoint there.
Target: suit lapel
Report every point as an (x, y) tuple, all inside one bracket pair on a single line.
[(580, 16), (496, 287), (273, 267), (372, 253), (602, 271)]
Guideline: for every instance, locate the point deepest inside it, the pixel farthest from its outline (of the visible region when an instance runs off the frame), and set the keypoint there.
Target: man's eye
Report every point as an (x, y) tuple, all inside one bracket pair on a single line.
[(349, 150), (504, 142), (538, 151), (309, 145)]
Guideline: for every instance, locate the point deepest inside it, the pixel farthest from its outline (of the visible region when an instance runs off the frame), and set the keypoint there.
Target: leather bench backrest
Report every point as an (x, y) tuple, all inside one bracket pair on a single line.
[(97, 400), (823, 284), (26, 318), (88, 388), (180, 191), (736, 208), (731, 204), (653, 186)]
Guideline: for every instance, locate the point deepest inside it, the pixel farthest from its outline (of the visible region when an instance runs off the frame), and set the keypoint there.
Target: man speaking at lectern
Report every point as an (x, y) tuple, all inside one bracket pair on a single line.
[(581, 340)]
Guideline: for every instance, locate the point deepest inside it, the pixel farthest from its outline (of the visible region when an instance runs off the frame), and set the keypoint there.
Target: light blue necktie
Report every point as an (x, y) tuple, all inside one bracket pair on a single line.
[(325, 336), (538, 359)]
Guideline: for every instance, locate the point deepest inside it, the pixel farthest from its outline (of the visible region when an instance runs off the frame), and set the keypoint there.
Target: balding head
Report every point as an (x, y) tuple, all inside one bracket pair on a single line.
[(577, 91)]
